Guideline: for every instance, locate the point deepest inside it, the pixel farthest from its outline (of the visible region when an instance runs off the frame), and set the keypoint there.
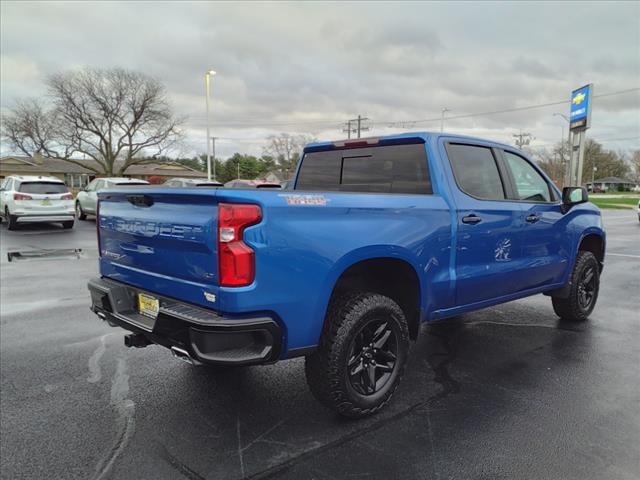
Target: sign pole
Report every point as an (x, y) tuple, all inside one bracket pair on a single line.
[(580, 158), (579, 122)]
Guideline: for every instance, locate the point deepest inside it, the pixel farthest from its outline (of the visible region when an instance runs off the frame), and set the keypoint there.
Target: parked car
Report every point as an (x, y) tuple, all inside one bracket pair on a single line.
[(191, 182), (376, 237), (33, 199), (87, 198), (248, 184), (639, 211)]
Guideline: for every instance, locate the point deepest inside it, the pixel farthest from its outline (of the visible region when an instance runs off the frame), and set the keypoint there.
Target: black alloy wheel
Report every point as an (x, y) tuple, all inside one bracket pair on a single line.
[(372, 357)]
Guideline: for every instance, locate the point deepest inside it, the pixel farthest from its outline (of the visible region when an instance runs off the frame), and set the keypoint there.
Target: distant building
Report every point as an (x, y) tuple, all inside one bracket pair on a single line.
[(275, 176), (611, 184), (77, 177)]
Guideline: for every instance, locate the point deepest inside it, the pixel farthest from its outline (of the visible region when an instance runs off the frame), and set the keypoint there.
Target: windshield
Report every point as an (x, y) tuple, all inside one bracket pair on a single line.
[(43, 188)]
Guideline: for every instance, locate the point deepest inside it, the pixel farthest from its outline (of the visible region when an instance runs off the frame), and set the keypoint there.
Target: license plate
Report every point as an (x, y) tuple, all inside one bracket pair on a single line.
[(46, 201), (148, 305)]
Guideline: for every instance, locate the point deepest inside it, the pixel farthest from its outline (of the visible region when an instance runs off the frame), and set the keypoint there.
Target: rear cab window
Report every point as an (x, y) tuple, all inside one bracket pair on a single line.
[(43, 188), (400, 169)]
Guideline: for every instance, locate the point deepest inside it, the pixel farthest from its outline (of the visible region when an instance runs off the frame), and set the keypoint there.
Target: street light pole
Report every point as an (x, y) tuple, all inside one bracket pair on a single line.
[(207, 84), (568, 172), (213, 155), (442, 119)]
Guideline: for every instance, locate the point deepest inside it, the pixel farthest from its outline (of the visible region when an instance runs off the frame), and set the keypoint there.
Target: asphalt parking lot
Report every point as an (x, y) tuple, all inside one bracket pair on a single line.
[(507, 392)]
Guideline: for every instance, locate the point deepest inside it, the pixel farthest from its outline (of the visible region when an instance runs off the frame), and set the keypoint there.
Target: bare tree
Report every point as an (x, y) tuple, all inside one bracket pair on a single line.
[(116, 117), (635, 165), (285, 149)]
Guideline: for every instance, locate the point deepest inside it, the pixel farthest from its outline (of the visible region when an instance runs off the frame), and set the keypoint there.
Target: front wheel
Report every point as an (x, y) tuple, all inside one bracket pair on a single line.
[(362, 354), (583, 292)]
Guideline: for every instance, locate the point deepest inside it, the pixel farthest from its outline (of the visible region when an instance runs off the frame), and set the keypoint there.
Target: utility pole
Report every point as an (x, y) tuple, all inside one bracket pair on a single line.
[(238, 169), (348, 129), (522, 139), (360, 128), (213, 155)]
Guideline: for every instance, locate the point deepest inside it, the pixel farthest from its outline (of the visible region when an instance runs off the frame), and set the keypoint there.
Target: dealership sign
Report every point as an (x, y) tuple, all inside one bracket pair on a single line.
[(580, 111)]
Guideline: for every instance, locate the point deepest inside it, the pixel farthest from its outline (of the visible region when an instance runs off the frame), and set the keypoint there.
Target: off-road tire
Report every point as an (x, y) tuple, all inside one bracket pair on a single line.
[(80, 215), (570, 308), (326, 367)]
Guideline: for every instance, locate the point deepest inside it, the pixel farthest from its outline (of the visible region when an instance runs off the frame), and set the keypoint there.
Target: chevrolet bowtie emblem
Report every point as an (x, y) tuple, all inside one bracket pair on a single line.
[(577, 100)]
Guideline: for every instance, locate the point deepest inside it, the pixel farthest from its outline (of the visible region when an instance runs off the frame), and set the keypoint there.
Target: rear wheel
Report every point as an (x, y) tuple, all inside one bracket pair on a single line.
[(67, 225), (80, 215), (12, 220), (583, 293), (362, 354)]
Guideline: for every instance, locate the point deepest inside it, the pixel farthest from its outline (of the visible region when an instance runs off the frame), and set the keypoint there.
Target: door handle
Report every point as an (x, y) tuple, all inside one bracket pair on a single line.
[(533, 218), (471, 219)]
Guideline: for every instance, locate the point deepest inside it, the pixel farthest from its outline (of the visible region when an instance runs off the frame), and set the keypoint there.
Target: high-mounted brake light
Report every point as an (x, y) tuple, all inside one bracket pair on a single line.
[(22, 196), (236, 260), (356, 143)]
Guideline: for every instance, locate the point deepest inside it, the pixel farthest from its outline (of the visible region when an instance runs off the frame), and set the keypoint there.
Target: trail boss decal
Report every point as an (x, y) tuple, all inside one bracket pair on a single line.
[(293, 199)]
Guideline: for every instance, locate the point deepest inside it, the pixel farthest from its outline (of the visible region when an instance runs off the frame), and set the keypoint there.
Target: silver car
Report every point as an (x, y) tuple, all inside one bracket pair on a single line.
[(191, 182), (35, 199), (87, 198)]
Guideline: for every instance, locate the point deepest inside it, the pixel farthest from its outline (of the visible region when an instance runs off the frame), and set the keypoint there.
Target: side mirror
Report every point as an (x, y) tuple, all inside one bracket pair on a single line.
[(573, 196)]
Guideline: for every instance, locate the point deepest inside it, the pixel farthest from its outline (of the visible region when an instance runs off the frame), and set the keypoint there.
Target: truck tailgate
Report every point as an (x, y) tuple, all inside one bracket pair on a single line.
[(161, 240)]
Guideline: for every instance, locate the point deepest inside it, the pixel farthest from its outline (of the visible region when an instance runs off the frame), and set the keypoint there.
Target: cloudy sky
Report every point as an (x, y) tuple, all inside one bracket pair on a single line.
[(308, 67)]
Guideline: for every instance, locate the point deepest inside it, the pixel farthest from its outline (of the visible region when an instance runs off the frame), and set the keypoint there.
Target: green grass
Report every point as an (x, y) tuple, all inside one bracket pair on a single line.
[(620, 203)]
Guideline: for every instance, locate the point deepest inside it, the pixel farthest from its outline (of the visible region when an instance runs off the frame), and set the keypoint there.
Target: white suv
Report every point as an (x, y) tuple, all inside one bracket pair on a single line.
[(30, 199), (87, 199)]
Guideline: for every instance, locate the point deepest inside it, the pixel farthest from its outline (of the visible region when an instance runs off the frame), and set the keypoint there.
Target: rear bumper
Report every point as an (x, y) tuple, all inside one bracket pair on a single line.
[(34, 218), (207, 337)]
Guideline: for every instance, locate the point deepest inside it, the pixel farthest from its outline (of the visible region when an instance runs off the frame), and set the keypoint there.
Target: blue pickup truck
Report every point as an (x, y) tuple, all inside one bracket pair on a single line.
[(373, 237)]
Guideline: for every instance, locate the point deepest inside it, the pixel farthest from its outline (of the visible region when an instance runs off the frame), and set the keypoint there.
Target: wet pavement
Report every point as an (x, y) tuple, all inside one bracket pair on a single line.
[(506, 392)]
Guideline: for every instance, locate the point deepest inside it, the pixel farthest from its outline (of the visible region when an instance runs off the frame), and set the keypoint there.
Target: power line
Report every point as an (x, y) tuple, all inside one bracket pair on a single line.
[(410, 123)]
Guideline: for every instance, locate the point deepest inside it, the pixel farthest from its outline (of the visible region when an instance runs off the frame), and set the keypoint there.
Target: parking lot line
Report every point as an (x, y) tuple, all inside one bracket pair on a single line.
[(622, 255)]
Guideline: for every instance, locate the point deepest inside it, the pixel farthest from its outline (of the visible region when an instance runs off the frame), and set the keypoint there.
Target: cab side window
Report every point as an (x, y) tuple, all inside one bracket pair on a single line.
[(92, 186), (529, 184)]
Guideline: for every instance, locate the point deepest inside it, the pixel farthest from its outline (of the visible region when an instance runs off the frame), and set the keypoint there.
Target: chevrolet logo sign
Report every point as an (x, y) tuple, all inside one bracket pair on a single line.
[(578, 99)]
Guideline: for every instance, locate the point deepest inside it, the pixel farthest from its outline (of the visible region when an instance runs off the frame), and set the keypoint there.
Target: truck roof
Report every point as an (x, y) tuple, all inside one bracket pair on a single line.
[(327, 145)]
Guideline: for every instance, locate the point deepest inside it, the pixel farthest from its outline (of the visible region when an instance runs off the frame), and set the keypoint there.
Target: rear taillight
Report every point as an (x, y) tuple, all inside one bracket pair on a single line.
[(66, 196), (22, 196), (98, 227), (236, 260)]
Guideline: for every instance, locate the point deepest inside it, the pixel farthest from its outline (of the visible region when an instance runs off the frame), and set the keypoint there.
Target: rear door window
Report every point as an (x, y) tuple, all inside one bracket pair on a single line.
[(476, 171), (400, 169), (43, 188)]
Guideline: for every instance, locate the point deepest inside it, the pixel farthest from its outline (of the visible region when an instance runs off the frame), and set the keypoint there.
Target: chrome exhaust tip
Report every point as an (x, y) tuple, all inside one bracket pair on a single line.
[(182, 355)]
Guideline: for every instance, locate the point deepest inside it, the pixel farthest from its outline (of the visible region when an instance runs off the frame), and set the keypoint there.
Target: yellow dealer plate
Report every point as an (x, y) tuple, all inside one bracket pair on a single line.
[(148, 305)]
